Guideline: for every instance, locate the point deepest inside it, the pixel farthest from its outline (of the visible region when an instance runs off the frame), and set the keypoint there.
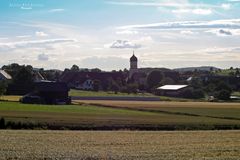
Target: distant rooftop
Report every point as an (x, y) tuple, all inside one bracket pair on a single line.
[(5, 74), (172, 87)]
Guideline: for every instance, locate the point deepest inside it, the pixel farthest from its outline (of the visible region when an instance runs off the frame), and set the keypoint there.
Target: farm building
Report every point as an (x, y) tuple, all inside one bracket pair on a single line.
[(4, 76), (171, 90), (48, 93)]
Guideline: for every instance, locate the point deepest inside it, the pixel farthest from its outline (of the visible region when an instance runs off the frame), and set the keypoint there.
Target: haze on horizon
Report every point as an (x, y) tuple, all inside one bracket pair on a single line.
[(104, 33)]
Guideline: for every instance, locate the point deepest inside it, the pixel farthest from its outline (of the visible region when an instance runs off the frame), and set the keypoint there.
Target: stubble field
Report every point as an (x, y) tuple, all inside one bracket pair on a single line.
[(94, 145)]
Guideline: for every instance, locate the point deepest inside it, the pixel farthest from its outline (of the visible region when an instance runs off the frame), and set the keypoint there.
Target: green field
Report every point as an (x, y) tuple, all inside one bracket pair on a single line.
[(236, 94), (74, 92), (207, 109), (120, 145), (80, 93), (87, 116)]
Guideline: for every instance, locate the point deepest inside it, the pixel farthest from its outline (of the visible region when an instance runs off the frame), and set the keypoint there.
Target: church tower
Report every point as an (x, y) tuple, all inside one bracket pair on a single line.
[(133, 65)]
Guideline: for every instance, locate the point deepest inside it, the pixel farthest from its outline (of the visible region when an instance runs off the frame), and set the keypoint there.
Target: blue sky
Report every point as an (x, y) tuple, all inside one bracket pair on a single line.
[(104, 33)]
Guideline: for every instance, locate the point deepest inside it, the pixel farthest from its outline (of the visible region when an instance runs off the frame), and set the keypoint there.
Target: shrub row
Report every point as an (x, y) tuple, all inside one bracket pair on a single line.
[(32, 126)]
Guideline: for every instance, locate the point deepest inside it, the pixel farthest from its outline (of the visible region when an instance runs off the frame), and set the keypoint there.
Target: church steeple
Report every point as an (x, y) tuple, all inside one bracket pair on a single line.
[(133, 62), (133, 58)]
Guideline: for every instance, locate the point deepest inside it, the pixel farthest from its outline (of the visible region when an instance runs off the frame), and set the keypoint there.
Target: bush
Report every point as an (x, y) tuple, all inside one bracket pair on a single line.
[(223, 86), (198, 93), (3, 87), (223, 95), (194, 94), (188, 93), (2, 123)]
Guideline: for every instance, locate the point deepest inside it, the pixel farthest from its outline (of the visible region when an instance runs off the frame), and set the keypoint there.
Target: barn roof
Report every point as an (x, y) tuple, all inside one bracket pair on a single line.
[(5, 75), (172, 87)]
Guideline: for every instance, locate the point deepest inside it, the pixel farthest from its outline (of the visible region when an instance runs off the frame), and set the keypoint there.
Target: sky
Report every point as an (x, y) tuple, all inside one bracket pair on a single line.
[(55, 34)]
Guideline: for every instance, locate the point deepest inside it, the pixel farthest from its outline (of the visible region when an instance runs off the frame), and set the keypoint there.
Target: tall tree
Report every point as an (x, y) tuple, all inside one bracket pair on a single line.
[(24, 76), (75, 68), (154, 78)]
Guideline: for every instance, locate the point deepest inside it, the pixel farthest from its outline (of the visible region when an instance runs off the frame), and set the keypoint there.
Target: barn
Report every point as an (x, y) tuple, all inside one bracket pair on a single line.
[(48, 93), (171, 90)]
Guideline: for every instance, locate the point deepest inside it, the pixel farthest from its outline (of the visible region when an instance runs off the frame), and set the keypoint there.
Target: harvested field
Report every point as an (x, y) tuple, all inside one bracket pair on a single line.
[(94, 145)]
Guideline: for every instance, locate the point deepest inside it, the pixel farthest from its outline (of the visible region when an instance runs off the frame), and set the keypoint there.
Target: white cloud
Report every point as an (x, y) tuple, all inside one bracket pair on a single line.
[(123, 44), (3, 38), (43, 57), (24, 36), (225, 32), (174, 4), (41, 34), (187, 32), (228, 23), (34, 43), (219, 50), (202, 11), (127, 32), (197, 11), (181, 11), (226, 6), (56, 10), (26, 8)]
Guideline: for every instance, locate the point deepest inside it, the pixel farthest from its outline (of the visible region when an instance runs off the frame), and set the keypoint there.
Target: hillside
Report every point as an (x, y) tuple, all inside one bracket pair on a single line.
[(202, 68)]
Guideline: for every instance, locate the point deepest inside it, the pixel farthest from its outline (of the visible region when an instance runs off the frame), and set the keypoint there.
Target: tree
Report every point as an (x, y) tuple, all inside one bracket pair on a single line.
[(167, 81), (3, 87), (223, 86), (24, 77), (154, 78), (193, 93), (2, 123), (196, 83), (198, 93), (96, 70), (132, 88), (113, 86), (96, 85), (223, 95), (75, 68), (237, 73)]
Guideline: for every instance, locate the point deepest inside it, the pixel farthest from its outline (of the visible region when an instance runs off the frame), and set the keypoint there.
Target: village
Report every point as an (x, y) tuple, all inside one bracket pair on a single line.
[(52, 86), (119, 80)]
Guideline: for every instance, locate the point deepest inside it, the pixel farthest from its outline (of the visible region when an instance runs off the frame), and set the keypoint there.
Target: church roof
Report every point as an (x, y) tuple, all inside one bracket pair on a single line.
[(133, 58)]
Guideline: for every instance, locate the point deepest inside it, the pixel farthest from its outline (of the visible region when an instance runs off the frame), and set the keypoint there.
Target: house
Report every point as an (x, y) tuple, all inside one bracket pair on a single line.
[(171, 90), (86, 85), (84, 80), (48, 93), (4, 76)]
